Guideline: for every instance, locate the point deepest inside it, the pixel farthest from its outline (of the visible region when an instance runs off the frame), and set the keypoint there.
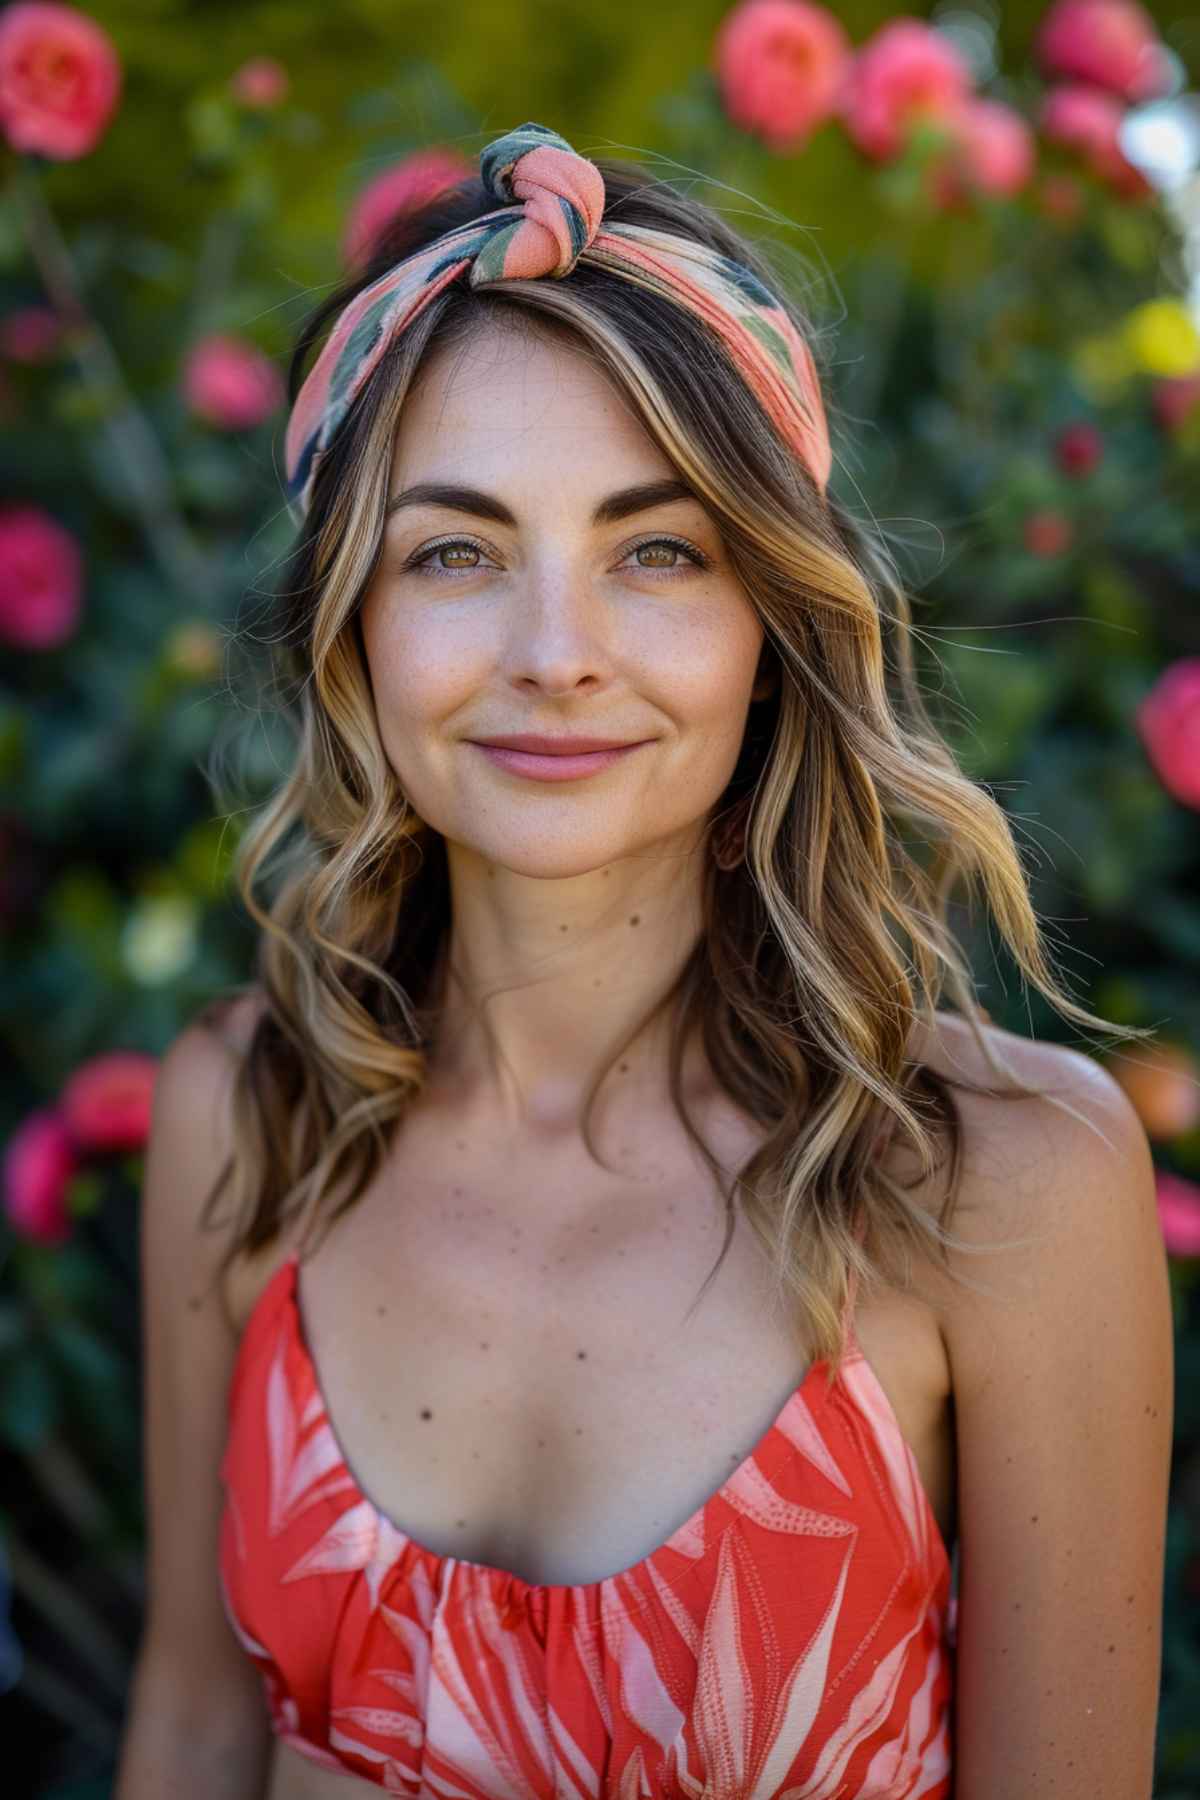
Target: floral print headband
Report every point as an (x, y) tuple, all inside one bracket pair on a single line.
[(550, 219)]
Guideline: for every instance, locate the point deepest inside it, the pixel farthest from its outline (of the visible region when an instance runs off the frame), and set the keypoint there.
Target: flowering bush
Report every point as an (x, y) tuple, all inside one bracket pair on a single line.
[(1015, 368)]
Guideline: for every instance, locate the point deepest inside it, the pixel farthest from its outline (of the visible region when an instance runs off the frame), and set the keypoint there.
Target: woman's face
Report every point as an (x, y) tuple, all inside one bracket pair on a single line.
[(535, 599)]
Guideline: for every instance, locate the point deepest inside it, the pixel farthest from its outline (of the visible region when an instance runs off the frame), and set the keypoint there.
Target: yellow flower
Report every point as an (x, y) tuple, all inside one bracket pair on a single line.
[(1162, 338)]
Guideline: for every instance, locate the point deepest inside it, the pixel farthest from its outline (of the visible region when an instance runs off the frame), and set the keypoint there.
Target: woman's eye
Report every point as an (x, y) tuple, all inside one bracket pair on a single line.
[(426, 562), (426, 565), (677, 548)]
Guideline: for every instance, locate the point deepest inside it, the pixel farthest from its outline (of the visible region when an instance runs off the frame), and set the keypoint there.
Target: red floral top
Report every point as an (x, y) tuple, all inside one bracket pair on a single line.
[(792, 1640)]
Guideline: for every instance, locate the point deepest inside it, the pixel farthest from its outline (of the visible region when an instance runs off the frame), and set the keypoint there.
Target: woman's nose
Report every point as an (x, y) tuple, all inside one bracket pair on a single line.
[(561, 632)]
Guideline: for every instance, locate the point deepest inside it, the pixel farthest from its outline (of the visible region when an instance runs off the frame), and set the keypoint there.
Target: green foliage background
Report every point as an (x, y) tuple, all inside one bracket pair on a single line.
[(957, 361)]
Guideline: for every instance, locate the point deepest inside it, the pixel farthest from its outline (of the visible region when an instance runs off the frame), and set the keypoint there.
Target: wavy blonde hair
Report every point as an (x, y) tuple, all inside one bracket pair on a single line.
[(819, 951)]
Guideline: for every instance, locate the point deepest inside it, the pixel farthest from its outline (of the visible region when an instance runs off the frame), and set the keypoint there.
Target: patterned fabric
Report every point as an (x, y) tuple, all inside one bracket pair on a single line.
[(553, 222), (791, 1640)]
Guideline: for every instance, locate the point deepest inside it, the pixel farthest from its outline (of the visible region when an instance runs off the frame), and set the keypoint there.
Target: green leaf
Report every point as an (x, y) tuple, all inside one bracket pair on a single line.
[(28, 1399), (84, 1193), (88, 1358), (1176, 921)]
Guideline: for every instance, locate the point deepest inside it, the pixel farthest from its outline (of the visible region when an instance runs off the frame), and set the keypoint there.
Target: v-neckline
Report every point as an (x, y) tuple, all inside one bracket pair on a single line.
[(683, 1534)]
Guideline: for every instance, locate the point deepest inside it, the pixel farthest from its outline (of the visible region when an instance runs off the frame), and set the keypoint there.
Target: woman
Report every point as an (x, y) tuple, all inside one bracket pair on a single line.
[(631, 1420)]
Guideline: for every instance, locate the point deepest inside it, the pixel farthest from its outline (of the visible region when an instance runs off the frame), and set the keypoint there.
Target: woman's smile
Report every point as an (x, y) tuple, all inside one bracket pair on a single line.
[(556, 765)]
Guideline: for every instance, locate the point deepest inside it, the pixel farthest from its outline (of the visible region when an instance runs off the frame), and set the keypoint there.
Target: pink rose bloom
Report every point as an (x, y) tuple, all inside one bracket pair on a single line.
[(1112, 43), (30, 334), (1174, 399), (106, 1103), (1178, 1213), (998, 144), (1088, 121), (60, 79), (39, 1161), (261, 83), (905, 73), (993, 153), (780, 67), (403, 188), (231, 383), (1169, 722), (41, 579)]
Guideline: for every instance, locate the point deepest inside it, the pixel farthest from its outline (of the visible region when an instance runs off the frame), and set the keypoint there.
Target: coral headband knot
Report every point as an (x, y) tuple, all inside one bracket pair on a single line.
[(550, 219)]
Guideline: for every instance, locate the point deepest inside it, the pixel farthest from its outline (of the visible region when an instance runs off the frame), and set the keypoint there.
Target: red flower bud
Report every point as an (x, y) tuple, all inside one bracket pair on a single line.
[(1047, 533), (1078, 449)]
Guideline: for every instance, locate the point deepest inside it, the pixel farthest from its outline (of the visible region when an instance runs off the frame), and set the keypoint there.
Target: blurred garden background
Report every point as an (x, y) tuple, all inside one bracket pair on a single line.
[(995, 220)]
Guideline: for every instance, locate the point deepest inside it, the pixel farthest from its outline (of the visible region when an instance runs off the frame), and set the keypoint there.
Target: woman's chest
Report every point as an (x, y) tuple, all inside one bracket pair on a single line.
[(520, 1369)]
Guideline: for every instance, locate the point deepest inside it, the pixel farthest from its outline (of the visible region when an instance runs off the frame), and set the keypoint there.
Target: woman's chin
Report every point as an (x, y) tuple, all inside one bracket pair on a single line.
[(541, 861)]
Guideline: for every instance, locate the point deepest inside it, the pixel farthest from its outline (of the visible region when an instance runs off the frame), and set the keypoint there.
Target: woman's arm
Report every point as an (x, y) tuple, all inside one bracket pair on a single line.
[(197, 1726), (1063, 1400)]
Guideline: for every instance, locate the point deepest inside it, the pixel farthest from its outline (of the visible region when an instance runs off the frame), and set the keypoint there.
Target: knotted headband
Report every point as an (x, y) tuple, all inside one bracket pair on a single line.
[(551, 219)]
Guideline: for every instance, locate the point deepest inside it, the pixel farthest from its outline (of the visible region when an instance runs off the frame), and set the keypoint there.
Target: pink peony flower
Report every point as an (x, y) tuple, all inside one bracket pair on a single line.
[(106, 1103), (403, 188), (30, 334), (1178, 1213), (992, 153), (260, 83), (41, 579), (1112, 43), (1174, 399), (231, 383), (780, 67), (39, 1160), (907, 72), (1047, 533), (107, 1100), (1088, 121), (1078, 448), (1169, 722), (60, 79)]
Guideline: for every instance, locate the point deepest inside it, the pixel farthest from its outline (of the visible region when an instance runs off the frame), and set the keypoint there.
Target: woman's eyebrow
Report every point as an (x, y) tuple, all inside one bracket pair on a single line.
[(616, 506)]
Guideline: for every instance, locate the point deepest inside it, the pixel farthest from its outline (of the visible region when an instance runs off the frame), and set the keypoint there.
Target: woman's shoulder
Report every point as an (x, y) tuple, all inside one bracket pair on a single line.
[(1003, 1131), (1041, 1175), (1016, 1148), (949, 1045)]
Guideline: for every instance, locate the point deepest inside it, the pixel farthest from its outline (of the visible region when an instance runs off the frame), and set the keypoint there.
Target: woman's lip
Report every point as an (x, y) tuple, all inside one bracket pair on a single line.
[(540, 767), (567, 744)]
